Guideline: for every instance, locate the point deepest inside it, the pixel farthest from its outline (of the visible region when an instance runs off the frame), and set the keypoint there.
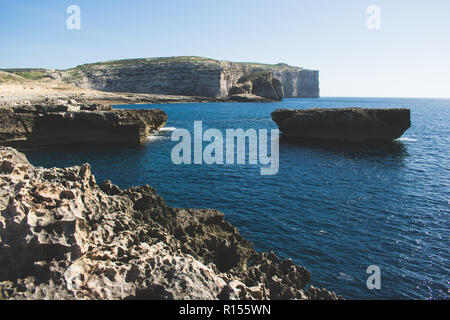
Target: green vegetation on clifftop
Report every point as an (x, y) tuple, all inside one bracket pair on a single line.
[(131, 62), (140, 61), (28, 73)]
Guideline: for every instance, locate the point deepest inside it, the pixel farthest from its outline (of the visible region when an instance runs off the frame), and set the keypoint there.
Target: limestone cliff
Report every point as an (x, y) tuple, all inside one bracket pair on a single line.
[(262, 84), (63, 236), (188, 76)]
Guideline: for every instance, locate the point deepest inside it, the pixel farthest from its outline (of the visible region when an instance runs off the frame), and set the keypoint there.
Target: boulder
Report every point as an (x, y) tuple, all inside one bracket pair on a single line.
[(346, 125), (262, 84)]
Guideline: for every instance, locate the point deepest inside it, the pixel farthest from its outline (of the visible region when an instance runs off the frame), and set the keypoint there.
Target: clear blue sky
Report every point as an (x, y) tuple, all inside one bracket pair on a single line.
[(408, 57)]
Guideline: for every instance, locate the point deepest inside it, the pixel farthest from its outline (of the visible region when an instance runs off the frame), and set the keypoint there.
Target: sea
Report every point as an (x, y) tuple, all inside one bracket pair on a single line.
[(335, 209)]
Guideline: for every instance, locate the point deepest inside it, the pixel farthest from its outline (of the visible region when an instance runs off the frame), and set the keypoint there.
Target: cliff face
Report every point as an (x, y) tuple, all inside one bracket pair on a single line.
[(347, 125), (186, 78), (63, 236), (189, 76), (299, 83), (262, 84), (62, 122)]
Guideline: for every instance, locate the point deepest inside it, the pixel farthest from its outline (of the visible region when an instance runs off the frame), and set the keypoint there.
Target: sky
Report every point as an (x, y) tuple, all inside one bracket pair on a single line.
[(408, 56)]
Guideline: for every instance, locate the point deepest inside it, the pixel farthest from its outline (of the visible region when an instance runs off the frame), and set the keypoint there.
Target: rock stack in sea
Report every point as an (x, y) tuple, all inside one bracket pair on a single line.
[(354, 125), (63, 236), (56, 121)]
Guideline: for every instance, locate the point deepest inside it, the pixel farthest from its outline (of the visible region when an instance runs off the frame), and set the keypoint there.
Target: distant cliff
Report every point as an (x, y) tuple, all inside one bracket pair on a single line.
[(189, 76)]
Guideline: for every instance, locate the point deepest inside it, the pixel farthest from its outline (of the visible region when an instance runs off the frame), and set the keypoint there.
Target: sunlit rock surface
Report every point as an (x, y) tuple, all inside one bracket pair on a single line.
[(63, 236)]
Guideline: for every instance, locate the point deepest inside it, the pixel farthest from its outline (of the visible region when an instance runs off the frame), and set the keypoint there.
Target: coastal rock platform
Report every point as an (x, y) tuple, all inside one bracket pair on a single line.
[(58, 121)]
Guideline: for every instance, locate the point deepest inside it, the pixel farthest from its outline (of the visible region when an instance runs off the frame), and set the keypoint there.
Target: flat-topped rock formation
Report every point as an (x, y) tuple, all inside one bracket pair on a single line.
[(64, 122), (185, 76), (262, 84), (63, 236), (346, 125)]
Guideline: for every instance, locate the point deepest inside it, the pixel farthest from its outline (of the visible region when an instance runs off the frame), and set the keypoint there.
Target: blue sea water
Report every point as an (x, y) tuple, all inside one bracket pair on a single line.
[(334, 209)]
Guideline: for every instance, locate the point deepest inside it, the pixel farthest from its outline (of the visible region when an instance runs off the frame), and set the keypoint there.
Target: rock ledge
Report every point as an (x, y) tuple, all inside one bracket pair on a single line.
[(62, 122)]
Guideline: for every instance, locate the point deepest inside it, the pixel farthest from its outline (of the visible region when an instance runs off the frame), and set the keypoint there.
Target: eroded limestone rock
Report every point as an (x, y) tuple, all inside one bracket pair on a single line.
[(63, 236), (262, 84)]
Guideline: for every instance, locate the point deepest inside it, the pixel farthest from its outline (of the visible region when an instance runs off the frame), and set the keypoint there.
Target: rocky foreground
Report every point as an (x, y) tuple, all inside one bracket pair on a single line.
[(345, 125), (63, 236), (57, 121)]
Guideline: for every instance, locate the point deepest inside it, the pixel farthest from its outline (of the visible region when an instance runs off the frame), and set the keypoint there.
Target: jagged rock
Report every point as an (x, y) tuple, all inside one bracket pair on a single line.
[(314, 293), (63, 122), (62, 236), (262, 84), (347, 125)]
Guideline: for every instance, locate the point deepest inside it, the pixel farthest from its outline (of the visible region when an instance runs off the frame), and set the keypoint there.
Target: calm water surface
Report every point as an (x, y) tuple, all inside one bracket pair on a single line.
[(334, 209)]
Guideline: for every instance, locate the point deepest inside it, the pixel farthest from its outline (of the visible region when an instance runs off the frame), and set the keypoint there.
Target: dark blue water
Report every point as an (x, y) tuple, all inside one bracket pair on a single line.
[(334, 209)]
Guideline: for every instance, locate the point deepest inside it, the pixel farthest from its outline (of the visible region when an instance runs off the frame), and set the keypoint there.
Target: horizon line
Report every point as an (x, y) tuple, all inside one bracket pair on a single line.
[(379, 97)]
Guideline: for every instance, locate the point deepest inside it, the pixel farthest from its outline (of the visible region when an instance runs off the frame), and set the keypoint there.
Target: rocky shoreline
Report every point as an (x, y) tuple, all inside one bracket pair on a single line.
[(57, 121), (63, 236), (115, 98)]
